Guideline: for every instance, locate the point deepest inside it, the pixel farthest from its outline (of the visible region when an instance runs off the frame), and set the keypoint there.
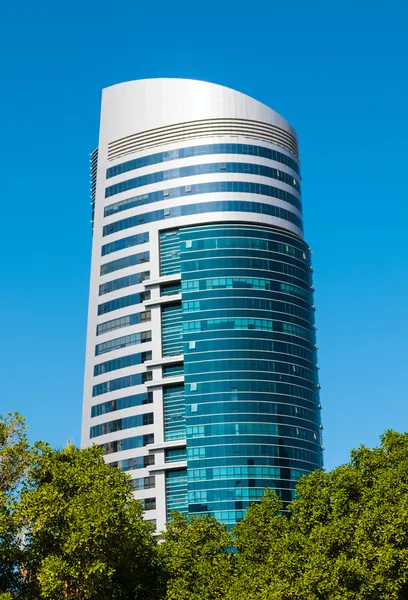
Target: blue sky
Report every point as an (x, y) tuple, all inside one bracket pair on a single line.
[(336, 70)]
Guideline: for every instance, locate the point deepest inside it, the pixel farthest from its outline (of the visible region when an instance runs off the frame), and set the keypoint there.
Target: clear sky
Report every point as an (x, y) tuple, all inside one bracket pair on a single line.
[(336, 70)]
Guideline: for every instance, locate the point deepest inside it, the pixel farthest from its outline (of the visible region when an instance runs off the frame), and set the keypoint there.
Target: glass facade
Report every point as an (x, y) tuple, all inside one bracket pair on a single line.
[(251, 385)]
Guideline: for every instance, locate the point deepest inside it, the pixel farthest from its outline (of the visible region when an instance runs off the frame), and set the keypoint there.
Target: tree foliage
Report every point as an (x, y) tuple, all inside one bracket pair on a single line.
[(73, 529), (347, 535), (70, 529), (16, 458), (196, 554)]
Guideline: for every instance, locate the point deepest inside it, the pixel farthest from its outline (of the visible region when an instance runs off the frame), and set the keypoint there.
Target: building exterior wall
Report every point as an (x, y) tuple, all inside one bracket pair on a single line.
[(201, 374)]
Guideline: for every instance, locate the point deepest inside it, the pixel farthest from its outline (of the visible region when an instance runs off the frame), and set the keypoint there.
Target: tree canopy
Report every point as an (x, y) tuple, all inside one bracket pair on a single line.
[(74, 529), (70, 529)]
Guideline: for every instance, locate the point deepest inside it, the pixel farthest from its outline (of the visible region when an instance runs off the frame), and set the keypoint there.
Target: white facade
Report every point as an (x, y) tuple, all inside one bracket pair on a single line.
[(141, 118)]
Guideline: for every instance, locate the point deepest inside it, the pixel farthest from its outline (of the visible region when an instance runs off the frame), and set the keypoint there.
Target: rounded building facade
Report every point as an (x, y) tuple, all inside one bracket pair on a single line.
[(201, 369)]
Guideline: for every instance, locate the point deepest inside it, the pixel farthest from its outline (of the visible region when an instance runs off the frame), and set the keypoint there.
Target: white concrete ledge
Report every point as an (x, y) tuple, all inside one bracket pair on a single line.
[(165, 360), (165, 279), (181, 464)]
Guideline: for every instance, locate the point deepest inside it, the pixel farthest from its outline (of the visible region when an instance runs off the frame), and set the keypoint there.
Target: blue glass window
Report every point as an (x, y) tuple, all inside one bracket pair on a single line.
[(122, 282), (126, 261), (209, 187), (175, 455), (127, 321), (120, 383), (205, 169), (137, 462), (122, 362), (174, 409), (122, 403), (120, 424), (176, 492), (128, 443), (202, 150), (128, 242), (123, 342), (169, 252), (172, 341), (123, 302), (205, 207)]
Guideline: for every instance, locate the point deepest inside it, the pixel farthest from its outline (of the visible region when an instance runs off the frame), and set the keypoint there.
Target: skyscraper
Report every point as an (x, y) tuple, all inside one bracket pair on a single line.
[(201, 372)]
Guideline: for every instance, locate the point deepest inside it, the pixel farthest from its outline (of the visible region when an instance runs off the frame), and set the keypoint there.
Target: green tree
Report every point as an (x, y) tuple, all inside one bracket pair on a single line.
[(346, 538), (86, 538), (198, 559), (17, 456)]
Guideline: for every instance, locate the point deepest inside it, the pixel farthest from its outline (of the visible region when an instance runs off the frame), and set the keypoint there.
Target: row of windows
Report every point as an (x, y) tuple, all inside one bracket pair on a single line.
[(127, 321), (228, 348), (169, 252), (209, 187), (121, 383), (228, 517), (122, 403), (126, 261), (251, 483), (241, 443), (259, 324), (144, 483), (175, 455), (251, 385), (283, 303), (220, 336), (128, 242), (173, 370), (242, 420), (221, 230), (204, 207), (244, 473), (250, 494), (248, 364), (176, 492), (123, 342), (174, 408), (122, 282), (250, 243), (123, 302), (120, 424), (122, 362), (241, 262), (261, 403), (243, 283), (250, 404), (171, 330), (137, 462), (267, 429), (254, 450), (170, 289), (249, 303), (205, 169), (285, 463), (128, 443), (202, 150)]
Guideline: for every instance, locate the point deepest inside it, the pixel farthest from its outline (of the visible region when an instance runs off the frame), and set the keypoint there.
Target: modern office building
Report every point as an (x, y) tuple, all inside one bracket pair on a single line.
[(201, 374)]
